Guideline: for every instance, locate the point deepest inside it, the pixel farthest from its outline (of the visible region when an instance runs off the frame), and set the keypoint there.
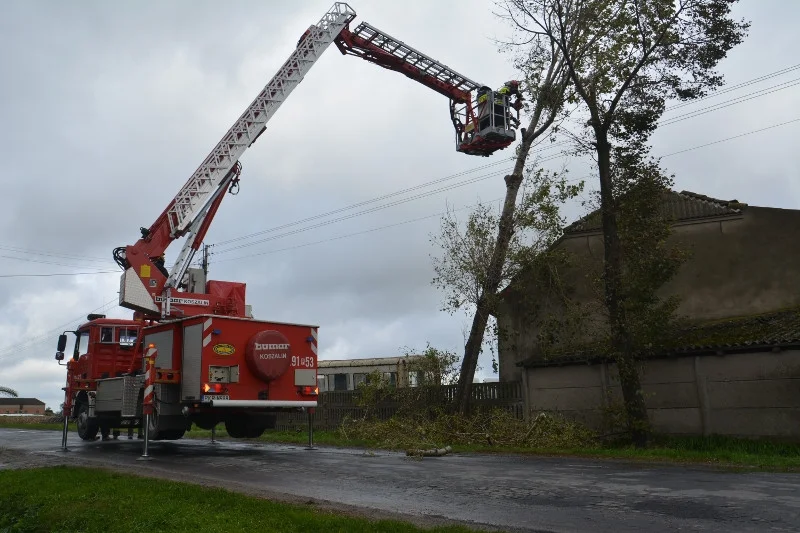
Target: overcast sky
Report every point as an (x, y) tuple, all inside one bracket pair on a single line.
[(108, 107)]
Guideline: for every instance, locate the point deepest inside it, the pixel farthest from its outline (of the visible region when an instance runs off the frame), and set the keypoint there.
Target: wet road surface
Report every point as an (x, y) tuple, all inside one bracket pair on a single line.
[(508, 492)]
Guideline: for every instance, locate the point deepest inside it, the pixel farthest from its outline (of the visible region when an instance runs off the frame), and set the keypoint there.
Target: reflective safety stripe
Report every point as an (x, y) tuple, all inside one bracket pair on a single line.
[(207, 334), (314, 340)]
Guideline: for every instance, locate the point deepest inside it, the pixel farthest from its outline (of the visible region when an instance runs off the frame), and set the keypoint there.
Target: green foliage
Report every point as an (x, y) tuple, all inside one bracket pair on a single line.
[(651, 256), (648, 260), (435, 367), (625, 59), (463, 269), (496, 428), (100, 501), (427, 372), (375, 389)]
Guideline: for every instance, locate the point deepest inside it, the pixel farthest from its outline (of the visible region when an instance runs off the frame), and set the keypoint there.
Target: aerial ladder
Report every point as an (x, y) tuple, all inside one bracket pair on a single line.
[(483, 124)]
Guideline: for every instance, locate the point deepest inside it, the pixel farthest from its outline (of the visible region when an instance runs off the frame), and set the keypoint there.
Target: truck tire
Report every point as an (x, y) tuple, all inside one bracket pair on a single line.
[(171, 434), (207, 422), (245, 427), (253, 432), (87, 428), (236, 427)]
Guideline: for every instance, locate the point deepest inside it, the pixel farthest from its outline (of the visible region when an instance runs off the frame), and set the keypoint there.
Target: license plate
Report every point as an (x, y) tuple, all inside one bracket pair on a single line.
[(209, 397)]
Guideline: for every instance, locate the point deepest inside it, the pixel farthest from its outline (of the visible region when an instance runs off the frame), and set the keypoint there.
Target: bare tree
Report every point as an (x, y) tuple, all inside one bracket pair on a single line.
[(625, 59)]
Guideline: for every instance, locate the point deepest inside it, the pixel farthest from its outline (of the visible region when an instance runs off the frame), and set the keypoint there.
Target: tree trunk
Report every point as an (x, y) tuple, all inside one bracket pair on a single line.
[(494, 276), (471, 352), (635, 408)]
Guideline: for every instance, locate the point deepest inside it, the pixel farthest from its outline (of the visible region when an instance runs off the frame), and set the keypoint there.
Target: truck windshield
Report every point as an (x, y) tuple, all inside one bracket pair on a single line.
[(82, 343)]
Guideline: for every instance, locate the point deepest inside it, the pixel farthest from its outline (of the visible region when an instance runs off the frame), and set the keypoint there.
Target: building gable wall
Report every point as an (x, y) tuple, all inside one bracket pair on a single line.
[(739, 265)]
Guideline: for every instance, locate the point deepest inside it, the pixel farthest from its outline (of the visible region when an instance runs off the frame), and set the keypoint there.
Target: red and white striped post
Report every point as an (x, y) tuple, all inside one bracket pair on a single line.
[(149, 394)]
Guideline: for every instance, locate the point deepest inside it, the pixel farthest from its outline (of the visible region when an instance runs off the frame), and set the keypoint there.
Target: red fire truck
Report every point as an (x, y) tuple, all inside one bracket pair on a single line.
[(193, 353)]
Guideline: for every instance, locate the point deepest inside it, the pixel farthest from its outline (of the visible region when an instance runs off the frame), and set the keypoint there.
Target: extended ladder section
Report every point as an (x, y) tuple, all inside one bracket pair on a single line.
[(481, 129), (189, 201), (413, 63)]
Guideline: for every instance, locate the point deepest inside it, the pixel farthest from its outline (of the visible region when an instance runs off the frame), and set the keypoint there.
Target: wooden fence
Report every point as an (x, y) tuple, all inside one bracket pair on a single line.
[(335, 406)]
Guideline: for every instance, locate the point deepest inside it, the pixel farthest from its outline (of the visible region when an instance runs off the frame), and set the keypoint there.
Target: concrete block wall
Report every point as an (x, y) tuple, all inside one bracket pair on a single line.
[(749, 394)]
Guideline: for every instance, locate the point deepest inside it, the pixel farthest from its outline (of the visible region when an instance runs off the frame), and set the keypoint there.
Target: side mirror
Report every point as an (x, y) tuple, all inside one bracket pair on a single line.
[(62, 342), (59, 356)]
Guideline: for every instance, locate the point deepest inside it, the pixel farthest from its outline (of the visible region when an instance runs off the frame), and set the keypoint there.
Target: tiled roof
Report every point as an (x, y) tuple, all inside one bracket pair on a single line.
[(20, 401), (758, 332), (680, 206)]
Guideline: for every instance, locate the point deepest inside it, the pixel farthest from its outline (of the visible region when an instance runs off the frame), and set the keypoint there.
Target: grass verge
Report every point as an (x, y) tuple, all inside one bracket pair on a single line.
[(554, 439), (105, 502), (719, 451)]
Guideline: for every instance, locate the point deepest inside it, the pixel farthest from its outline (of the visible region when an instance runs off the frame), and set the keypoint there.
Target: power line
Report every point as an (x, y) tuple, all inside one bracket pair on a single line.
[(366, 202), (734, 101), (40, 261), (383, 197), (364, 212), (734, 137), (57, 274), (679, 118), (429, 193), (14, 348), (371, 230), (377, 208), (52, 254), (7, 350), (731, 88)]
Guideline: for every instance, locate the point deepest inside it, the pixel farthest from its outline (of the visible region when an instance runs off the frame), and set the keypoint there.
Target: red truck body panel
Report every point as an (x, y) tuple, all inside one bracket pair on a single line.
[(231, 358)]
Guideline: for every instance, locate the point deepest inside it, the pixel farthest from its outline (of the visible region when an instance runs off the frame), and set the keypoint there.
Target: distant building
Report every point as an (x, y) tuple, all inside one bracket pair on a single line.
[(347, 374), (21, 406)]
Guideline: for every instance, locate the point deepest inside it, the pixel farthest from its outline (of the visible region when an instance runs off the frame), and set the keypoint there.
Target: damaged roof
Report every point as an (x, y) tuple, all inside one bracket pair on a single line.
[(750, 333), (680, 207)]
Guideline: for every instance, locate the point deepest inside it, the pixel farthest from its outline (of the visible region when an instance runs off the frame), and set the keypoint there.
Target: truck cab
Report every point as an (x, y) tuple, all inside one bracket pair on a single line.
[(103, 348)]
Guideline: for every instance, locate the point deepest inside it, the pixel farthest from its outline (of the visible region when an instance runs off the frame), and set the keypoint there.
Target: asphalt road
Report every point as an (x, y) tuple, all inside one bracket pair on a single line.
[(508, 492)]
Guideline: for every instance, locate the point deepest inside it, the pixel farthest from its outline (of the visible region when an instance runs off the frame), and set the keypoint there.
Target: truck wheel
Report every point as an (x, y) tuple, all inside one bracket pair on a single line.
[(244, 427), (155, 431), (171, 434), (236, 427), (253, 432), (205, 422), (87, 428)]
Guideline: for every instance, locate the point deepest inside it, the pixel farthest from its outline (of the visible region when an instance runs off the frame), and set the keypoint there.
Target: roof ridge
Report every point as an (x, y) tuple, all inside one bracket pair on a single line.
[(683, 205), (735, 205)]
